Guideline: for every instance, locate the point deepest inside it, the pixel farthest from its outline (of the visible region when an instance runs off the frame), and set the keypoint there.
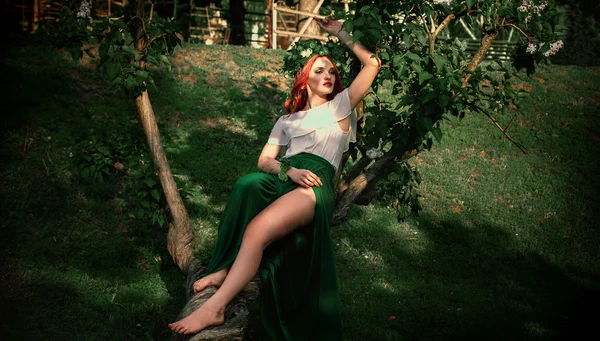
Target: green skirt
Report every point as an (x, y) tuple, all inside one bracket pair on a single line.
[(300, 297)]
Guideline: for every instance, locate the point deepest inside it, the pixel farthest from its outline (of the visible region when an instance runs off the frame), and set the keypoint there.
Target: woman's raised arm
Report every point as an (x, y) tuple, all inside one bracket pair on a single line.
[(371, 63)]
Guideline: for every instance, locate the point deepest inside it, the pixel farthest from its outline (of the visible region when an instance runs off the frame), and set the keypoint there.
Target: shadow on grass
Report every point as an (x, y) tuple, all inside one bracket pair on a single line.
[(452, 279), (80, 267)]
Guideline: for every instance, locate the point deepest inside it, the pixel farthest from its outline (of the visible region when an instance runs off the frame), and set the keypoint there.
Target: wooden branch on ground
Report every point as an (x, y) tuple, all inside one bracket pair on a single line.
[(503, 130)]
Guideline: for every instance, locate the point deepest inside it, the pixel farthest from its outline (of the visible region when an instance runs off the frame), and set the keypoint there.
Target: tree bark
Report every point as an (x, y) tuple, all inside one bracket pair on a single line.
[(486, 42), (180, 238), (236, 315), (364, 181), (357, 186), (308, 6)]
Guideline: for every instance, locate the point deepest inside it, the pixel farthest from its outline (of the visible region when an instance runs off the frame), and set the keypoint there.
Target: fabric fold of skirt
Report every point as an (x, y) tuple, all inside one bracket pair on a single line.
[(299, 298)]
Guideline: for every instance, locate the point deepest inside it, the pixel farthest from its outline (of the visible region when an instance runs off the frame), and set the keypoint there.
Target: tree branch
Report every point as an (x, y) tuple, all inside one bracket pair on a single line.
[(486, 42), (433, 35), (444, 23), (503, 130), (518, 29)]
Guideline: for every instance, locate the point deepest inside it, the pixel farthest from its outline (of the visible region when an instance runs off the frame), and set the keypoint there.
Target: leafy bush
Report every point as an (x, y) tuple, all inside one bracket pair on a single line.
[(120, 157), (400, 191)]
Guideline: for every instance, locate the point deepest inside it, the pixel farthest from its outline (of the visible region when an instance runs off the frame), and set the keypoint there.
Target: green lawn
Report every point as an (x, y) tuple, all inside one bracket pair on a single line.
[(507, 247)]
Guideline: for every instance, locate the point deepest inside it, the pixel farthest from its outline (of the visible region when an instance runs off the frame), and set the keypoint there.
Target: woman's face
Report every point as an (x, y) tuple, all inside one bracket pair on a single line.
[(321, 77)]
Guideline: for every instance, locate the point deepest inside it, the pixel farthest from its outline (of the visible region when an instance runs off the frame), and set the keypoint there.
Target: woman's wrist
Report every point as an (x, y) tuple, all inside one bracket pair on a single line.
[(284, 168), (344, 36)]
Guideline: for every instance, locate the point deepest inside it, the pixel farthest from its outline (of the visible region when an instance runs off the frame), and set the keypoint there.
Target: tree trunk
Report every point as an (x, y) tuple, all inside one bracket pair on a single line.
[(357, 186), (180, 237), (237, 12), (362, 182), (308, 6)]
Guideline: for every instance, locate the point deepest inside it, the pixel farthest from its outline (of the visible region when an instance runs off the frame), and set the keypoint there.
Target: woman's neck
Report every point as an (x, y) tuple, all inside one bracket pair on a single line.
[(313, 100)]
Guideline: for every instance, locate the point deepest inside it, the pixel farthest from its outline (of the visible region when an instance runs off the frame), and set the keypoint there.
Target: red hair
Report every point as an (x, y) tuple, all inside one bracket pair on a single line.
[(299, 94)]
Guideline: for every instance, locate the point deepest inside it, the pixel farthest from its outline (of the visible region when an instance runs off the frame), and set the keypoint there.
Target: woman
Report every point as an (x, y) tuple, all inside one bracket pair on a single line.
[(280, 226)]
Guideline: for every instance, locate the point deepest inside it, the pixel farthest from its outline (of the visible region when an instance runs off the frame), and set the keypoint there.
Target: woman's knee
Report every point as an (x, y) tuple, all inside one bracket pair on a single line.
[(255, 235)]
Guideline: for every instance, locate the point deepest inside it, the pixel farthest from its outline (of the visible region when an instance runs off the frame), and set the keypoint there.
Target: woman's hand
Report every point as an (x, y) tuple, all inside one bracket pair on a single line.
[(329, 25), (304, 177)]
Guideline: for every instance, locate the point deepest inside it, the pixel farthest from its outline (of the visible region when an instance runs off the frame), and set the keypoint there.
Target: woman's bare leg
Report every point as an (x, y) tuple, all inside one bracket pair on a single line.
[(287, 213), (212, 280)]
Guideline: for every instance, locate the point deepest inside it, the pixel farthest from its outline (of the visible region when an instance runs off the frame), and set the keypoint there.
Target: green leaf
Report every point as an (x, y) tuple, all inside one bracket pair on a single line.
[(408, 40), (155, 194), (359, 22), (444, 100), (161, 220), (112, 70), (357, 35), (165, 61), (141, 76), (414, 56), (371, 121), (103, 51), (437, 133), (439, 62), (348, 25), (470, 3), (131, 83), (375, 33), (150, 182), (416, 67), (423, 76), (76, 53)]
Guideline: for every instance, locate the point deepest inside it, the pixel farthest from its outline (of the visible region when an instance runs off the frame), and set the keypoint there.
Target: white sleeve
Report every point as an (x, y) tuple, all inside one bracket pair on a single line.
[(278, 136)]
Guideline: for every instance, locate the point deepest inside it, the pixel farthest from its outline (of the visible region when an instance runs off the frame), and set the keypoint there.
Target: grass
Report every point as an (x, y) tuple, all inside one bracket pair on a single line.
[(506, 248)]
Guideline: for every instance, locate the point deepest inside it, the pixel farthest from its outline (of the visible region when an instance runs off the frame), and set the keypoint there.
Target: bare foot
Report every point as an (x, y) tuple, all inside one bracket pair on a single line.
[(200, 319), (212, 280)]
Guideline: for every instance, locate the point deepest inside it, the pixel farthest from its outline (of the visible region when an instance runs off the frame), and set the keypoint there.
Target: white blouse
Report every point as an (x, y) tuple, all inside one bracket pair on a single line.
[(316, 130)]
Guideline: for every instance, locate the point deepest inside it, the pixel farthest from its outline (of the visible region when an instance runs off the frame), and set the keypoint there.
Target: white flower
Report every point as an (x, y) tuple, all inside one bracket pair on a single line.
[(443, 2), (530, 6), (306, 53), (84, 10), (531, 48), (374, 153), (554, 47), (557, 45)]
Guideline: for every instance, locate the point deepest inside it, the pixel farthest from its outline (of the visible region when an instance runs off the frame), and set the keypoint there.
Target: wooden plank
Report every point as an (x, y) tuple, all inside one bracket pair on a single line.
[(289, 10), (294, 34)]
